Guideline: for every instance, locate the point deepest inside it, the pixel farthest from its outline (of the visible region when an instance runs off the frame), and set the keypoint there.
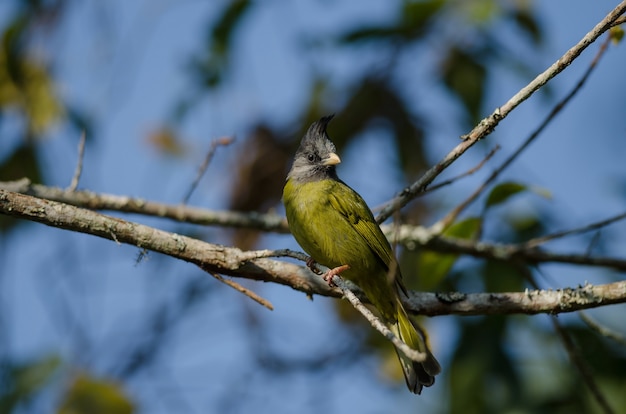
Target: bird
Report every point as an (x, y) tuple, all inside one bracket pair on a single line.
[(336, 228)]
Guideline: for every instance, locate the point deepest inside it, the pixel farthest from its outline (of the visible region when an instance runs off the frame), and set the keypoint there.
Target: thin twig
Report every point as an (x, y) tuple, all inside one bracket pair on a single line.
[(602, 330), (619, 21), (532, 243), (573, 351), (454, 213), (178, 212), (79, 163), (245, 291), (377, 323), (581, 364), (205, 164), (448, 219), (453, 179), (465, 174), (487, 125), (417, 236)]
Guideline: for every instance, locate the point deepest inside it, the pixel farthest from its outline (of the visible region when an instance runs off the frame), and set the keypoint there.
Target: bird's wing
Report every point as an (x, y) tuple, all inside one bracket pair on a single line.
[(353, 208)]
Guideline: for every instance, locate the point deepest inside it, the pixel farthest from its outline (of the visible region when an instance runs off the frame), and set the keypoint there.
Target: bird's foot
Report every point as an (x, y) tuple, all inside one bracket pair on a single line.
[(328, 276), (312, 264)]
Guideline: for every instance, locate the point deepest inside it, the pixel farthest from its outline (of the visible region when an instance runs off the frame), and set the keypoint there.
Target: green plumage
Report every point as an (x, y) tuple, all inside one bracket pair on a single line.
[(334, 225)]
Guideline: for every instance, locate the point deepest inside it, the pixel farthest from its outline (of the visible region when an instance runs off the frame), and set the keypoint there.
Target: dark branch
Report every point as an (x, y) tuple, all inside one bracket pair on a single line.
[(256, 265)]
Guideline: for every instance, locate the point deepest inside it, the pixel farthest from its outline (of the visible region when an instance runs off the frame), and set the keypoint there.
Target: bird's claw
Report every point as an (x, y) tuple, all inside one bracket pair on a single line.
[(328, 276), (312, 264)]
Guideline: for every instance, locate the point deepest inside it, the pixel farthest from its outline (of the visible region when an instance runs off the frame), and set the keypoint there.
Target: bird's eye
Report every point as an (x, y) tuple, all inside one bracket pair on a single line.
[(311, 157)]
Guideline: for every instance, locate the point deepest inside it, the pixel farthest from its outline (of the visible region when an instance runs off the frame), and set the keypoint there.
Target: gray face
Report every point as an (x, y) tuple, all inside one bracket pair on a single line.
[(314, 158)]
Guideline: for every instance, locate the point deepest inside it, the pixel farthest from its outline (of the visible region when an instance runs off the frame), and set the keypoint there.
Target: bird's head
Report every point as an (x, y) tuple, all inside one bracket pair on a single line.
[(315, 158)]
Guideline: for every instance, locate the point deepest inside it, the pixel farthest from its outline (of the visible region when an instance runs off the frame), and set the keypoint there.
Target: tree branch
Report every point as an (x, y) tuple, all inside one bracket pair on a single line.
[(454, 213), (530, 302), (603, 330), (79, 163), (377, 323), (205, 164), (408, 235), (404, 234), (178, 212), (487, 125), (256, 265)]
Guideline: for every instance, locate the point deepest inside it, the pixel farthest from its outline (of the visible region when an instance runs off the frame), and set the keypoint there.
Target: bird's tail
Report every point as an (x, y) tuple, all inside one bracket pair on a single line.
[(417, 374)]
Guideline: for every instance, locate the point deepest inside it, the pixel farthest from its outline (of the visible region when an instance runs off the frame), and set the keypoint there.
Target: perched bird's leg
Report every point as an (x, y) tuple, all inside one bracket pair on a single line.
[(312, 264), (328, 276)]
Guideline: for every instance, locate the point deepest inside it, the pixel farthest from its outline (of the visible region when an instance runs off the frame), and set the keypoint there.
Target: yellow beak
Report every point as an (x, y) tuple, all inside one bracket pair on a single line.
[(332, 159)]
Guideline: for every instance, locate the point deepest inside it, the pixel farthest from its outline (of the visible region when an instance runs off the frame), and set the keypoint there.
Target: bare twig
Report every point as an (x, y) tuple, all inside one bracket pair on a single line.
[(465, 174), (256, 266), (589, 227), (418, 236), (487, 125), (187, 214), (377, 323), (454, 213), (453, 179), (247, 292), (79, 163), (602, 330), (573, 351), (583, 367), (619, 21), (205, 164), (448, 219)]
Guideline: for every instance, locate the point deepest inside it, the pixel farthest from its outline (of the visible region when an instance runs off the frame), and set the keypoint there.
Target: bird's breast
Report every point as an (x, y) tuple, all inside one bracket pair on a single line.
[(323, 232)]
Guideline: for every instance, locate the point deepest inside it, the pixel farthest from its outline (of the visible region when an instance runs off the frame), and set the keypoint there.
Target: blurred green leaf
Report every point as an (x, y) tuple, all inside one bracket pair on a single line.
[(22, 163), (528, 23), (480, 12), (213, 63), (371, 33), (606, 357), (502, 277), (617, 34), (607, 361), (464, 75), (88, 395), (19, 383), (26, 85), (376, 101), (434, 266), (543, 192), (415, 16), (483, 377), (13, 46), (226, 25), (465, 229), (525, 226), (502, 192)]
